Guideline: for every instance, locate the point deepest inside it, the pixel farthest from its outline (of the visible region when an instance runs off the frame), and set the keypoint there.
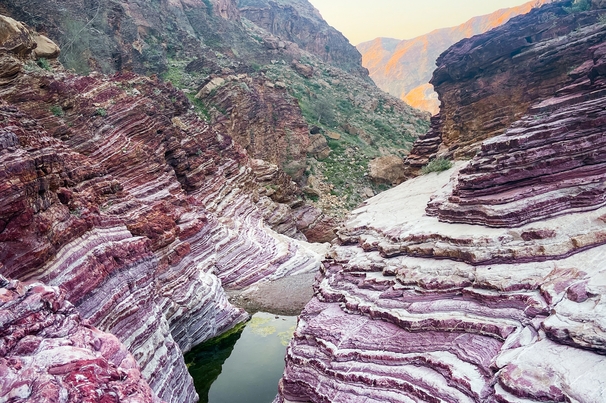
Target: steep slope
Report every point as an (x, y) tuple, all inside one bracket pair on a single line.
[(484, 283), (222, 60), (113, 190), (299, 22), (403, 68), (488, 82)]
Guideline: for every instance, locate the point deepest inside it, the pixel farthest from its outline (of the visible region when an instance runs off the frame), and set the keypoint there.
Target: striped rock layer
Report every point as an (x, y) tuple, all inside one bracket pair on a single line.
[(488, 82), (138, 210), (484, 283), (49, 353), (411, 309)]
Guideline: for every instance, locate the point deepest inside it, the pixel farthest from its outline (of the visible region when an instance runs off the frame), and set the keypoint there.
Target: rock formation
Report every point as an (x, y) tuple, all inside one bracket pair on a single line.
[(484, 283), (48, 353), (403, 68), (299, 22), (114, 191), (264, 83), (488, 82)]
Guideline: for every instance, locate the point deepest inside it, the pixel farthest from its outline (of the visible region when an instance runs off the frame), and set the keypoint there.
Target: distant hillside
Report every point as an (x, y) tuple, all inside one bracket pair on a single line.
[(403, 68)]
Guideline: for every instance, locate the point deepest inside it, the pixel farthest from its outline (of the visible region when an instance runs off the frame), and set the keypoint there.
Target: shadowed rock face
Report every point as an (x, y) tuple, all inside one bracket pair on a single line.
[(49, 353), (488, 82), (136, 35), (114, 191), (483, 283), (299, 22)]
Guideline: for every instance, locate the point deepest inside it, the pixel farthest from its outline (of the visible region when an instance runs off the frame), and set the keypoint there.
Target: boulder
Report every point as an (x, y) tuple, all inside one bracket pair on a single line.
[(389, 169), (45, 48), (318, 146), (15, 38)]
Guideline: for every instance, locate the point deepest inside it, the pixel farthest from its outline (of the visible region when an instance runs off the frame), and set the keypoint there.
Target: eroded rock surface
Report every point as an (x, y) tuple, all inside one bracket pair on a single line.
[(488, 82), (299, 22), (484, 283), (48, 353), (114, 191), (404, 67), (413, 309)]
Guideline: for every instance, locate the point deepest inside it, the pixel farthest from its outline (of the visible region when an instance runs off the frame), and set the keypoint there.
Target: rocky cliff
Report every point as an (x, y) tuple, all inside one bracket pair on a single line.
[(488, 82), (49, 353), (116, 192), (484, 283), (403, 68), (299, 22)]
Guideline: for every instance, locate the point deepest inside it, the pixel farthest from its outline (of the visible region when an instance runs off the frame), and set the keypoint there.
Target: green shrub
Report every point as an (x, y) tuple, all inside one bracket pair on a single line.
[(437, 165), (101, 112), (578, 6), (44, 64), (56, 110)]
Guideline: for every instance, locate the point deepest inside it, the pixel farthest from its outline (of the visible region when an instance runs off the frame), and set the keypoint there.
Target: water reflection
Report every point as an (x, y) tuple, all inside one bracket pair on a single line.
[(245, 365)]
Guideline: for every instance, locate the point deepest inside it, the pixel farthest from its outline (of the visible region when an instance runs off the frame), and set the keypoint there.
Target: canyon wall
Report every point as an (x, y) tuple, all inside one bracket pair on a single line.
[(141, 213), (49, 353), (483, 283), (488, 82), (403, 68), (299, 22)]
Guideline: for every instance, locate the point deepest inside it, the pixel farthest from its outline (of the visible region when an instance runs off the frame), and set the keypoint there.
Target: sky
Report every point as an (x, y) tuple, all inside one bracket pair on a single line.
[(364, 20)]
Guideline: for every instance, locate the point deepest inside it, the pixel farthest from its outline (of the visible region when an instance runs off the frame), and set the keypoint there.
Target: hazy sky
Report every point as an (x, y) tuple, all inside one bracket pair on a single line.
[(363, 20)]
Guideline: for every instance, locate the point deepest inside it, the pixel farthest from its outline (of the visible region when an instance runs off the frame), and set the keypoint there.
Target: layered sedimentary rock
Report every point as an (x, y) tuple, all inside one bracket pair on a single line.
[(484, 283), (413, 309), (264, 119), (488, 82), (404, 67), (48, 353), (114, 191)]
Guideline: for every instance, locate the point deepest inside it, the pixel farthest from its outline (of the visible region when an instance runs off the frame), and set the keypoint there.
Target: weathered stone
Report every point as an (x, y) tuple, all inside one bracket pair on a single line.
[(211, 86), (45, 48), (389, 169), (142, 218), (48, 353), (333, 135), (403, 68), (15, 38), (305, 70), (299, 22), (483, 283), (318, 146)]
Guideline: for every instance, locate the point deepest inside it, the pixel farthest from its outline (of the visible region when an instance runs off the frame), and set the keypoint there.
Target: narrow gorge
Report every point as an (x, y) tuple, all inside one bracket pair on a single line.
[(483, 283), (179, 161)]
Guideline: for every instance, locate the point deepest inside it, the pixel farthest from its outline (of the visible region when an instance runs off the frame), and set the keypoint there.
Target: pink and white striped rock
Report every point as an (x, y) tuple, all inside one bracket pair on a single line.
[(112, 190), (484, 283), (413, 325), (48, 353)]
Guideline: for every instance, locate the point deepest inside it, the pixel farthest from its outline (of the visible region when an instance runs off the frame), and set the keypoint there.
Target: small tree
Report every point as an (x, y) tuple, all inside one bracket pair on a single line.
[(324, 111)]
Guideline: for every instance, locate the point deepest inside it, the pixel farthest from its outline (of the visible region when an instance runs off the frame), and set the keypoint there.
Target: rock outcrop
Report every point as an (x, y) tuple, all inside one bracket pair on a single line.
[(299, 22), (484, 283), (265, 84), (403, 68), (48, 353), (263, 119), (114, 191), (488, 82)]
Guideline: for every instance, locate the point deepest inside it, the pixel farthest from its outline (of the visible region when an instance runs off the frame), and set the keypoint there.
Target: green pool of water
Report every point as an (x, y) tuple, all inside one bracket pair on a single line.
[(245, 365)]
